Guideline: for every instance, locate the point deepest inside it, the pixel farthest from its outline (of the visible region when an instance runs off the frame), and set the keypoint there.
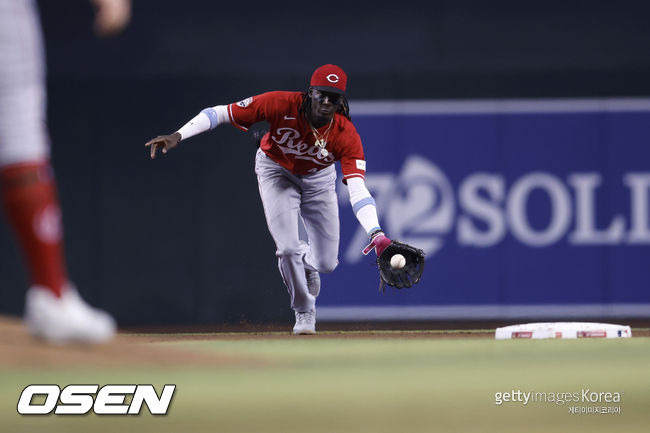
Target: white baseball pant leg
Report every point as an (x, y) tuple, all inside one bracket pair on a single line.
[(23, 131), (286, 198)]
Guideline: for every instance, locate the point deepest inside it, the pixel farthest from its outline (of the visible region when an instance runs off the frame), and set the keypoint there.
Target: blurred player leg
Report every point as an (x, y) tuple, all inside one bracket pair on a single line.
[(28, 190), (281, 200), (53, 309), (30, 203)]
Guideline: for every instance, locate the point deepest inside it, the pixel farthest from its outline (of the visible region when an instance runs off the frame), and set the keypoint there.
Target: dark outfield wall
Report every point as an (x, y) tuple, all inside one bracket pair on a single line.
[(183, 239)]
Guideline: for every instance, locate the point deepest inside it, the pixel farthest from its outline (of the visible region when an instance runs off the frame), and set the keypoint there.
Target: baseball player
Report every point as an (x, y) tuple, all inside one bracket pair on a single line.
[(53, 308), (308, 133)]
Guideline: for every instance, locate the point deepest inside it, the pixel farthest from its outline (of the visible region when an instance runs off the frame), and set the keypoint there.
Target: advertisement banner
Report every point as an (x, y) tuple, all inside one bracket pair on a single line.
[(523, 208)]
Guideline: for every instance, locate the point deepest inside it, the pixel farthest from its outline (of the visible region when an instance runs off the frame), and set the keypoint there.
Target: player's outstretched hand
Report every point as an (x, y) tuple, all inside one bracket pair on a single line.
[(163, 142)]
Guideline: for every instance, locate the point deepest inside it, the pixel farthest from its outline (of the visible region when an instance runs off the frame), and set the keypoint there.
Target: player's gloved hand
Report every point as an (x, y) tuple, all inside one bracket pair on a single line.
[(163, 142), (378, 242), (399, 277)]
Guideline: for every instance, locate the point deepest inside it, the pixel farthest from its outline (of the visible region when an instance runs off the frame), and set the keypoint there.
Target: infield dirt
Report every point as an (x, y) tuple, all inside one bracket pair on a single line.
[(134, 348)]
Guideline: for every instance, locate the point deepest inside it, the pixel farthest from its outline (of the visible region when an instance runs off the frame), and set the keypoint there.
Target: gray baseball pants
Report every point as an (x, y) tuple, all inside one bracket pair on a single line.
[(286, 199)]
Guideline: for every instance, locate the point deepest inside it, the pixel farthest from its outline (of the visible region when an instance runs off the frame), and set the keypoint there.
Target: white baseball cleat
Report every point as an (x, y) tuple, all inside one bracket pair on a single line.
[(305, 323), (313, 282), (68, 319)]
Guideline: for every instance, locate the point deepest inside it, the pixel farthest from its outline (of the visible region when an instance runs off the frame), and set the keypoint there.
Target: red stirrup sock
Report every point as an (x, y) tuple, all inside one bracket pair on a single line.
[(30, 201)]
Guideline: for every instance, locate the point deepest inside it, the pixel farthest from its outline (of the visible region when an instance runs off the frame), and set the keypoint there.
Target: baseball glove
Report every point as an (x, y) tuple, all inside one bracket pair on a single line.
[(403, 277)]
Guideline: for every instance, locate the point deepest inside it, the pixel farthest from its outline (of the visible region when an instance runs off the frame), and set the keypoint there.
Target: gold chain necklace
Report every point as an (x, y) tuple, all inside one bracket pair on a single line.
[(321, 139)]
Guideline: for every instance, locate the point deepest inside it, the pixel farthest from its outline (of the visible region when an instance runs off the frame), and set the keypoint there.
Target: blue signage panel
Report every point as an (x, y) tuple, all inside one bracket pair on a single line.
[(513, 206)]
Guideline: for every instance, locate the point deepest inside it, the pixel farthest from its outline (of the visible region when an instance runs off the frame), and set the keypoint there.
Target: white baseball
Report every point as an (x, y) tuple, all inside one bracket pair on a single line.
[(397, 261)]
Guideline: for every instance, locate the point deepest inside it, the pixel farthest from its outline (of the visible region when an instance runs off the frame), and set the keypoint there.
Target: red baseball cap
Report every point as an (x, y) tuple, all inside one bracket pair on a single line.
[(329, 78)]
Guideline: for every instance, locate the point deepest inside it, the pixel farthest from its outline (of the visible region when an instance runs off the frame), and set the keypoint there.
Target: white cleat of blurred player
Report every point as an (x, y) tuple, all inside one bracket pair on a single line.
[(68, 319), (305, 323)]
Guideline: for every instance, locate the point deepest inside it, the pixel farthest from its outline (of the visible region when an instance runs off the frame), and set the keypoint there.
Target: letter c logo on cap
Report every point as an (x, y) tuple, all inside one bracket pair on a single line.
[(333, 78)]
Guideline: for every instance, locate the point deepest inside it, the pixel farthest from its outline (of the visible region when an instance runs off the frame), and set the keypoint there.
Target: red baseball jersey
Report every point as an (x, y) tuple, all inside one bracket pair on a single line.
[(291, 142)]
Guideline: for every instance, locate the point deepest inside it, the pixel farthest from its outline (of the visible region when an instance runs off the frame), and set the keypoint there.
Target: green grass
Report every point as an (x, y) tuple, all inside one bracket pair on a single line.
[(368, 385)]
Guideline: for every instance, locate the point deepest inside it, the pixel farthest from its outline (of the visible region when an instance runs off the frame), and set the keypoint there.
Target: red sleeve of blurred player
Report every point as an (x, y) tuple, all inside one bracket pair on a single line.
[(245, 113), (353, 163)]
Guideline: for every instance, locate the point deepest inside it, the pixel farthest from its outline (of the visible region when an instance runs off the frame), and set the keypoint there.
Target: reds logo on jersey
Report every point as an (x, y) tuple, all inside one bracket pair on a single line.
[(290, 142), (286, 140)]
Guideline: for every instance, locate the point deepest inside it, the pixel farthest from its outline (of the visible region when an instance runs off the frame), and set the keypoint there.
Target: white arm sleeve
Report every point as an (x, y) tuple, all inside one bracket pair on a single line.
[(207, 119), (363, 205)]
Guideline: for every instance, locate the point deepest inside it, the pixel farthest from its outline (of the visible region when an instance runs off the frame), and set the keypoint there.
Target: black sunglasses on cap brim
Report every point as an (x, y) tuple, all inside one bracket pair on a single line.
[(334, 98)]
